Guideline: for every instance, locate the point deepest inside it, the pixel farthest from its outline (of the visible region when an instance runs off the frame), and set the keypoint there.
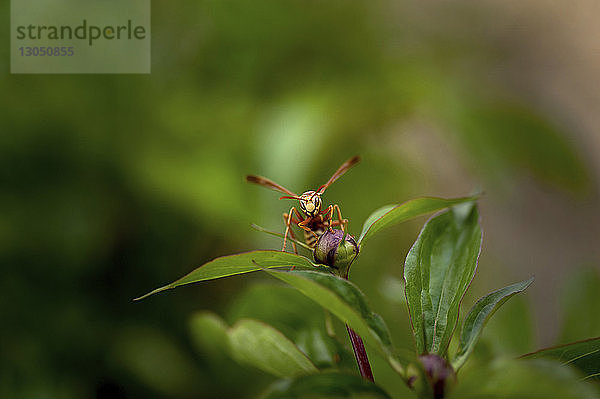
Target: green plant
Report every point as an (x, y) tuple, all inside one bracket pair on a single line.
[(438, 271)]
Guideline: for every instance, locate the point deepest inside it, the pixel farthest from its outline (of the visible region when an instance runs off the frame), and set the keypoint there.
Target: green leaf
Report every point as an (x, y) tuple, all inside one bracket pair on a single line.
[(438, 270), (323, 350), (258, 344), (143, 352), (209, 332), (238, 264), (373, 217), (519, 379), (348, 303), (278, 305), (210, 336), (583, 355), (478, 316), (392, 214), (249, 342), (331, 385), (510, 332)]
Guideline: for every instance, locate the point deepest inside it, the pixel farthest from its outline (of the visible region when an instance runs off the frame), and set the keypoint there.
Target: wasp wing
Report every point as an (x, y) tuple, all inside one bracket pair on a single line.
[(338, 173)]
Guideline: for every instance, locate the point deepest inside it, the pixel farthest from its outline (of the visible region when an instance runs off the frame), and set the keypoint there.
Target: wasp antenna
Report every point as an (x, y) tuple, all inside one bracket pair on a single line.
[(289, 197)]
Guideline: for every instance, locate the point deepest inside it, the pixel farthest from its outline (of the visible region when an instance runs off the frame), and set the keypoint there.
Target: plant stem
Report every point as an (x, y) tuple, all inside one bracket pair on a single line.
[(360, 354), (357, 345)]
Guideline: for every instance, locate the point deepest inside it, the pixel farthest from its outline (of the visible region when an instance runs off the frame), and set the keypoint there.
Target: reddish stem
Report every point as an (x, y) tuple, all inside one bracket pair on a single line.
[(357, 343), (359, 348), (361, 355)]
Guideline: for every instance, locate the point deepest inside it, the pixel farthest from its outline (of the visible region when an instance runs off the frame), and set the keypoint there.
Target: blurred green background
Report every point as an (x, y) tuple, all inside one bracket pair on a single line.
[(115, 184)]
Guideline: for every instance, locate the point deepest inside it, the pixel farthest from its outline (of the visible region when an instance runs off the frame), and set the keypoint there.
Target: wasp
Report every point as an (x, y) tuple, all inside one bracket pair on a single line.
[(313, 220)]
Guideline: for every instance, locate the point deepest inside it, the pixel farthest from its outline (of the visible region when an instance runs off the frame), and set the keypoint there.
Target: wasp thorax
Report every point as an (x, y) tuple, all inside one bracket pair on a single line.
[(310, 203), (336, 249)]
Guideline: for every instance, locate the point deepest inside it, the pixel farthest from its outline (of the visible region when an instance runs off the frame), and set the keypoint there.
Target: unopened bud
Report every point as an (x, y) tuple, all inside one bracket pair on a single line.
[(439, 373), (336, 249)]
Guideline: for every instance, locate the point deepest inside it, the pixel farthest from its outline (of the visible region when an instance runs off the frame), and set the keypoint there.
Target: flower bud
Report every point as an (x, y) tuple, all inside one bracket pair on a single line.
[(437, 372), (336, 249)]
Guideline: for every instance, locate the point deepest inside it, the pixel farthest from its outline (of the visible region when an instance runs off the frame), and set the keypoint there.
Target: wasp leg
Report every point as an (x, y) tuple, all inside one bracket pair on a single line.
[(286, 216), (327, 216), (288, 230), (303, 224), (341, 221)]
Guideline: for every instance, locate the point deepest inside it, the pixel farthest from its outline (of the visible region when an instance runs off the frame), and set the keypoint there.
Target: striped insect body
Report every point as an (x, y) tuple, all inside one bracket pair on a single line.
[(311, 218)]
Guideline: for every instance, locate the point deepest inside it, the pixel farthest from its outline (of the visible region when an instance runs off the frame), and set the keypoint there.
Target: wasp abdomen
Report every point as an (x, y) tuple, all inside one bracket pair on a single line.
[(310, 238)]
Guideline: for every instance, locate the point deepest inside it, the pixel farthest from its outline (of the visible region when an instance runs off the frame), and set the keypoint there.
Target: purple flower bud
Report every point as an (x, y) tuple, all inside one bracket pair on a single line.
[(439, 373), (336, 249)]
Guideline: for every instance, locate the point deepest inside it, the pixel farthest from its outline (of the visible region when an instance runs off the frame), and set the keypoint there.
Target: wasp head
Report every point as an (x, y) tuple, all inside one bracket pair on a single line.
[(310, 203)]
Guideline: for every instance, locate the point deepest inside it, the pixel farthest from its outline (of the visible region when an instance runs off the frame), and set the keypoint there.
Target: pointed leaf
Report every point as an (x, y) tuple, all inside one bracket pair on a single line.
[(478, 316), (348, 303), (437, 272), (331, 385), (260, 345), (238, 264), (373, 217), (250, 342), (392, 214), (511, 332), (583, 355)]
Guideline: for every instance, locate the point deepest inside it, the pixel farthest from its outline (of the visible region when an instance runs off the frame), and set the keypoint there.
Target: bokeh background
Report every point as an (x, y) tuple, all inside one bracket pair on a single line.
[(115, 184)]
